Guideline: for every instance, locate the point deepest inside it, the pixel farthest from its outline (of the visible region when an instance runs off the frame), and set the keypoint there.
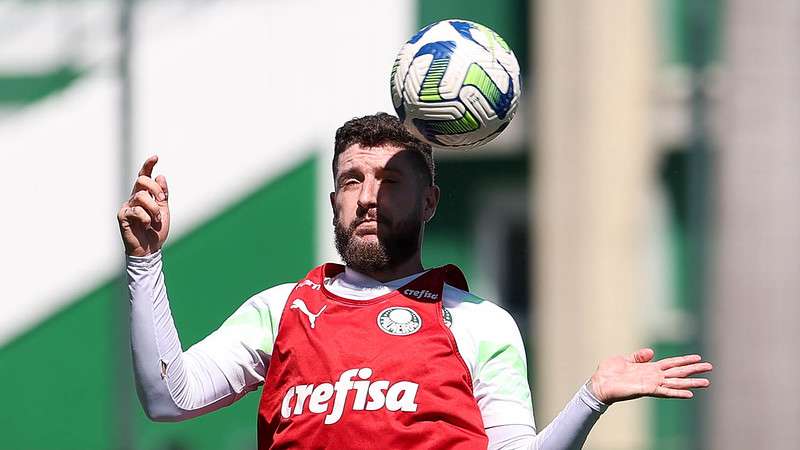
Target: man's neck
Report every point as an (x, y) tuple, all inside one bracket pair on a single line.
[(409, 267)]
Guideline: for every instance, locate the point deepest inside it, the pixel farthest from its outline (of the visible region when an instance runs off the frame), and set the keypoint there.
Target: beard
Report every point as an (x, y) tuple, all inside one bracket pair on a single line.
[(397, 242)]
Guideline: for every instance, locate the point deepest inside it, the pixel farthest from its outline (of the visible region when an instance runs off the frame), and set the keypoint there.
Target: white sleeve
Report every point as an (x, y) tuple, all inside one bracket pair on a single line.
[(501, 374), (568, 431), (504, 398), (174, 385)]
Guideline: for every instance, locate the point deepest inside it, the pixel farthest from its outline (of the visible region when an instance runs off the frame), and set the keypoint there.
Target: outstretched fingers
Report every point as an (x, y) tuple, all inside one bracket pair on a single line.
[(677, 370), (665, 392), (685, 383), (688, 370), (676, 361)]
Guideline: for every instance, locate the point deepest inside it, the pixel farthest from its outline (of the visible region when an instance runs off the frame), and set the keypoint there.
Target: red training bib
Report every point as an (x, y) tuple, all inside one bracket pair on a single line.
[(383, 373)]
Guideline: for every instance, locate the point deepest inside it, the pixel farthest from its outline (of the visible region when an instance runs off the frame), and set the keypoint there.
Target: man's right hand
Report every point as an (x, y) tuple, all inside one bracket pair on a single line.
[(144, 218)]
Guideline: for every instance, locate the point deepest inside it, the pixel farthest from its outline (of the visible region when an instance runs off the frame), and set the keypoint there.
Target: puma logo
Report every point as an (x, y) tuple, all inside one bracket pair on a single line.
[(309, 283), (301, 305)]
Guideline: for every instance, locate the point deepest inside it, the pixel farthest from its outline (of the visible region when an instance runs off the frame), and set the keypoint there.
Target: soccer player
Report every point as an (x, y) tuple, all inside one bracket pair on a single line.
[(377, 354)]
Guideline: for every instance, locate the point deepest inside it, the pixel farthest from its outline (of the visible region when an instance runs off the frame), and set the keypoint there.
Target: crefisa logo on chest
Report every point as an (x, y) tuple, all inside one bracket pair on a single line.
[(369, 396)]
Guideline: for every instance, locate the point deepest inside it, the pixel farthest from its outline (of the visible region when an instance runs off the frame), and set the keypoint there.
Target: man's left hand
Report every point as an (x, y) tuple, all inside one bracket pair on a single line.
[(627, 377)]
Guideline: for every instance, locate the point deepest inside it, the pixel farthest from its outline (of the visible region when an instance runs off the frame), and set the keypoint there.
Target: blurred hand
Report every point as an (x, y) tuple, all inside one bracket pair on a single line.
[(627, 377), (144, 218)]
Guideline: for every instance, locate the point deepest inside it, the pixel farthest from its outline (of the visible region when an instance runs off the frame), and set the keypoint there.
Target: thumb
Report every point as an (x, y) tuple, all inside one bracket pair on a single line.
[(642, 355), (162, 181)]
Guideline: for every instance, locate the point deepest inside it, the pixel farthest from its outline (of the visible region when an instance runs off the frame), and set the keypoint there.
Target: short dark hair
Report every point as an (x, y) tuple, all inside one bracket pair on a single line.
[(378, 129)]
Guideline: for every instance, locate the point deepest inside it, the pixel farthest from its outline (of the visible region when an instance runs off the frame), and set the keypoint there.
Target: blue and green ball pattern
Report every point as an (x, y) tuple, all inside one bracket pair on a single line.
[(430, 90)]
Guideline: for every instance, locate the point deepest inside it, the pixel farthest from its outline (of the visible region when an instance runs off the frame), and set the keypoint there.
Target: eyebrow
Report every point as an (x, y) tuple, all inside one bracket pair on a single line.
[(392, 170), (345, 172)]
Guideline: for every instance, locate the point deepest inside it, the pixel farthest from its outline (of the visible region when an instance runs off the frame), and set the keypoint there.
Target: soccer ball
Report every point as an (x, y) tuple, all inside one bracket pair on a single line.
[(455, 84)]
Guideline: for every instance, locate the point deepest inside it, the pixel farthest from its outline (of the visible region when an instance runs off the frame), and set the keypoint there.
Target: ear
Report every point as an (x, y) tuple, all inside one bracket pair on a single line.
[(430, 202)]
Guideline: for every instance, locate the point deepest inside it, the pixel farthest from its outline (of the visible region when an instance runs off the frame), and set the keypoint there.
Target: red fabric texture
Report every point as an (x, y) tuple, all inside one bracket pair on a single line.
[(383, 373)]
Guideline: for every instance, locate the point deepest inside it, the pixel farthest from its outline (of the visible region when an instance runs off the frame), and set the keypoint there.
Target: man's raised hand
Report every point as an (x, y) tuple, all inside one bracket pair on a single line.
[(144, 217), (627, 377)]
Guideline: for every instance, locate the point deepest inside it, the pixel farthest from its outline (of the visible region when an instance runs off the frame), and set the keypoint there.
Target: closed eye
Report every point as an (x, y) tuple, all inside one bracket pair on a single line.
[(348, 182), (348, 177)]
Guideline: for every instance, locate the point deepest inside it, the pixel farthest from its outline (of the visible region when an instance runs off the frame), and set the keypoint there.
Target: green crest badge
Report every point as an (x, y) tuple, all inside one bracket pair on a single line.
[(399, 321)]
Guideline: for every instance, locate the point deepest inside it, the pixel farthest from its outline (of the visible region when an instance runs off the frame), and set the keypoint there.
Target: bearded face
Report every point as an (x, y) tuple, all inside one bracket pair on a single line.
[(380, 205), (397, 241)]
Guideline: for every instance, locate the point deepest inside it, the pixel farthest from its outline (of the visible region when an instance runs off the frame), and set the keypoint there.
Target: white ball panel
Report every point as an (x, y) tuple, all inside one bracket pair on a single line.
[(478, 105), (455, 74), (441, 111), (414, 76)]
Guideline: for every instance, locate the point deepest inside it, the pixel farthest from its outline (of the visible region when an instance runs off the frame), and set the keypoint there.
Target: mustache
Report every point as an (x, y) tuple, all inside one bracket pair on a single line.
[(370, 216)]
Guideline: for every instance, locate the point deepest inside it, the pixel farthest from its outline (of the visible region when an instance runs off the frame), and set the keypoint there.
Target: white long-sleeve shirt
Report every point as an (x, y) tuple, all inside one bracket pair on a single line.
[(175, 385)]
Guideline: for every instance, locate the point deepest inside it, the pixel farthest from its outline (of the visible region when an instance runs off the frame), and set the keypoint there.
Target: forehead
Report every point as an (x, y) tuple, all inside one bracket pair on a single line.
[(387, 155)]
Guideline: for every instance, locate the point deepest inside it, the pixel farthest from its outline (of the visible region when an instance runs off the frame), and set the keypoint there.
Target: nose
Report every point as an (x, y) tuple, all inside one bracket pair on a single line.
[(368, 197)]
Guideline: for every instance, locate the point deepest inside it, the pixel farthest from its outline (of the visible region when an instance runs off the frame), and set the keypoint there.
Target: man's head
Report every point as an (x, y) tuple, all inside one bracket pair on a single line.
[(384, 192)]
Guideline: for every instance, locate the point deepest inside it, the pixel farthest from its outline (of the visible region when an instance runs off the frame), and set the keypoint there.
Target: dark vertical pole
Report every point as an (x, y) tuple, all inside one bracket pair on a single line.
[(122, 406)]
